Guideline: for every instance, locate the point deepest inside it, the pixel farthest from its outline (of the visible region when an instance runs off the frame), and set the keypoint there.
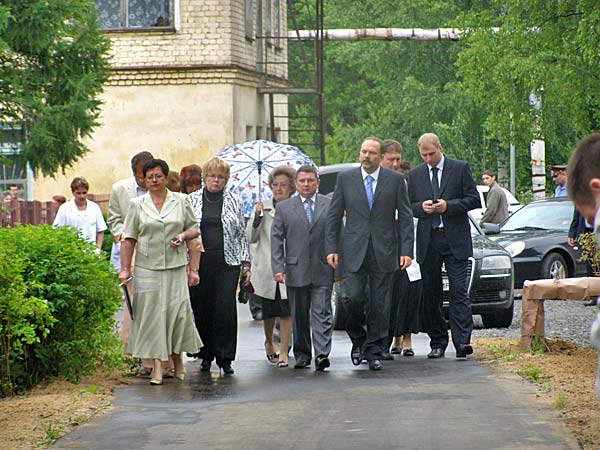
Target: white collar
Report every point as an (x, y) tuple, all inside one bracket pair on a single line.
[(439, 165), (374, 175)]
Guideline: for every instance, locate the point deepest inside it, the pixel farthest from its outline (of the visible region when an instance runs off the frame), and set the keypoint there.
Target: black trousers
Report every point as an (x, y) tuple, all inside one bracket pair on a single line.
[(461, 318), (371, 307), (215, 309)]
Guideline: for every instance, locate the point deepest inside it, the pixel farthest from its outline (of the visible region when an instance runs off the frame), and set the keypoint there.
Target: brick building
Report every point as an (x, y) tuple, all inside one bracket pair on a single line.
[(184, 84)]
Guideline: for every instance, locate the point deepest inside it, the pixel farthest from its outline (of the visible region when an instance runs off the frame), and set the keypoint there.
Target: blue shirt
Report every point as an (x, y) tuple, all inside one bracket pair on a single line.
[(560, 191)]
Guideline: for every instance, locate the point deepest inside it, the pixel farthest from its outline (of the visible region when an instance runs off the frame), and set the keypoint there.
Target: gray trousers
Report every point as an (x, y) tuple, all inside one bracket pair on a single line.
[(311, 311)]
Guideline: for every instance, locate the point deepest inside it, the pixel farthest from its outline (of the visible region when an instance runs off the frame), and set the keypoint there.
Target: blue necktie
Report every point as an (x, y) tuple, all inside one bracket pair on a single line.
[(309, 211), (369, 190)]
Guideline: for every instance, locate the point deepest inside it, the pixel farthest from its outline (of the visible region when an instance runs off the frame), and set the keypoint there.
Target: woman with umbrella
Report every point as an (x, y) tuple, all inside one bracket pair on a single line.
[(222, 227)]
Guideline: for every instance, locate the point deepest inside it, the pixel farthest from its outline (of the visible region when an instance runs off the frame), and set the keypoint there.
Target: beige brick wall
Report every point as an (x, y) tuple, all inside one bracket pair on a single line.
[(210, 32)]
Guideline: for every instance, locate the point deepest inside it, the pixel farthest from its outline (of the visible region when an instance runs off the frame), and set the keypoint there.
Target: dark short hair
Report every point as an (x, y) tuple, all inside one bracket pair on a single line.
[(390, 145), (405, 165), (489, 173), (584, 165), (79, 182), (307, 168), (287, 171), (140, 158), (376, 139), (156, 163)]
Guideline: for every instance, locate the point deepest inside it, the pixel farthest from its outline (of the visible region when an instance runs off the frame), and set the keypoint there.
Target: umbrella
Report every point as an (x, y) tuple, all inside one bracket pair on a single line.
[(252, 162)]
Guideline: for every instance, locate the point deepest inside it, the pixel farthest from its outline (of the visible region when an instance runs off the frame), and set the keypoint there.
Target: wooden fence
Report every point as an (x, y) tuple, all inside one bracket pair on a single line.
[(36, 212)]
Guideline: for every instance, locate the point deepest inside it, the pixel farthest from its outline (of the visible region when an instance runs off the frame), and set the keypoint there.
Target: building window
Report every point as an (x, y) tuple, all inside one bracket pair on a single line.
[(249, 19), (118, 14), (13, 167), (268, 21)]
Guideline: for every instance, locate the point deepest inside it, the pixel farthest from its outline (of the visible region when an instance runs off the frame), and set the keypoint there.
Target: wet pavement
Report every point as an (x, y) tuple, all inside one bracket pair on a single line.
[(414, 403)]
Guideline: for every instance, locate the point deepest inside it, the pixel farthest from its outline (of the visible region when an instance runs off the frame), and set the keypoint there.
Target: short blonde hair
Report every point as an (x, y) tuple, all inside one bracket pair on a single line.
[(429, 138), (215, 164)]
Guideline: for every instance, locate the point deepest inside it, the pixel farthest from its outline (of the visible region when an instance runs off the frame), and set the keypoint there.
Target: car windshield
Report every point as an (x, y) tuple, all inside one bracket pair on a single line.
[(541, 216)]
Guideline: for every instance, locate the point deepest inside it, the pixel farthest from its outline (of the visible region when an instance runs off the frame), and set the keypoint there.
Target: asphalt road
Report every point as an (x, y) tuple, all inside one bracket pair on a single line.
[(414, 403)]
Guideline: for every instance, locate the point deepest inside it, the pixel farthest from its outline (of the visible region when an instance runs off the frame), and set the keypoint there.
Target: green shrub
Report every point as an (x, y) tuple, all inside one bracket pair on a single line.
[(81, 296)]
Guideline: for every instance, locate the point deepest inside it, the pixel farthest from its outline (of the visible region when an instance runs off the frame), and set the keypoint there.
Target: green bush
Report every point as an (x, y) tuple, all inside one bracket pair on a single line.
[(64, 297)]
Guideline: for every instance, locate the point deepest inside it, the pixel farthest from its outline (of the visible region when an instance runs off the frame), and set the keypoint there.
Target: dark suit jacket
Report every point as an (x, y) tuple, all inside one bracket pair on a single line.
[(578, 225), (458, 189), (298, 249), (376, 224)]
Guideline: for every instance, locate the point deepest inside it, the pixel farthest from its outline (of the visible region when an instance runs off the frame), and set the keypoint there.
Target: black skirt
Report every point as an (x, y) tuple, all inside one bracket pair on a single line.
[(277, 307), (407, 312)]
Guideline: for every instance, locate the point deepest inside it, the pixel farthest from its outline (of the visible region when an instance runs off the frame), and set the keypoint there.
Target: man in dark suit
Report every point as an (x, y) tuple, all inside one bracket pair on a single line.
[(442, 191), (298, 259), (371, 197)]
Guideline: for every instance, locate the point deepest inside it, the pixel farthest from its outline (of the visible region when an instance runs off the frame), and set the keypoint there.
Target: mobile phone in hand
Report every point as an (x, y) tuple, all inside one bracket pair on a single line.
[(175, 240)]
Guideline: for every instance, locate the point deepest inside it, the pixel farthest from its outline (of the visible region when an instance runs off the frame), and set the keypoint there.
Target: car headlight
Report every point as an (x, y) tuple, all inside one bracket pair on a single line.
[(516, 248), (495, 262)]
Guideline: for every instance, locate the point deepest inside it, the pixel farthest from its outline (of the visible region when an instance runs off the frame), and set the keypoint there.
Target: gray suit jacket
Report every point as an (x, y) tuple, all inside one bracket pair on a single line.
[(298, 249), (118, 204), (377, 224)]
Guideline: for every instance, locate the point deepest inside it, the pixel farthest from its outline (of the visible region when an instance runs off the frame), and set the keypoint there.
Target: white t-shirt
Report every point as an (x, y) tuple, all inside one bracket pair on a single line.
[(89, 222)]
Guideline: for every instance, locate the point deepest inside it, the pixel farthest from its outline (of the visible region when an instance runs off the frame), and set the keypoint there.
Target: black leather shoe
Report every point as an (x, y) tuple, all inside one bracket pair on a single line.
[(396, 351), (375, 364), (322, 363), (226, 367), (437, 352), (464, 350), (301, 364), (355, 355), (387, 356)]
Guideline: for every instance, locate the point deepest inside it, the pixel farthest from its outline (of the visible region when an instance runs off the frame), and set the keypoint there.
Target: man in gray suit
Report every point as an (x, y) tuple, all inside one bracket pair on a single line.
[(373, 198), (298, 259)]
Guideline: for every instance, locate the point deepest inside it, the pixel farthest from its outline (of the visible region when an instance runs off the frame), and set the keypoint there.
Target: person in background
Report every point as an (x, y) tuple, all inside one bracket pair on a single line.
[(271, 294), (159, 223), (5, 212), (559, 175), (496, 205), (223, 229), (191, 178), (404, 168), (83, 214), (174, 182), (118, 205), (14, 190), (584, 190), (407, 292)]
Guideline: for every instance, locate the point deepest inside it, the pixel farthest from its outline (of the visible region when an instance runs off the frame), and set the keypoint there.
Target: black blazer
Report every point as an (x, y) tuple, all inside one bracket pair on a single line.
[(377, 224), (458, 189)]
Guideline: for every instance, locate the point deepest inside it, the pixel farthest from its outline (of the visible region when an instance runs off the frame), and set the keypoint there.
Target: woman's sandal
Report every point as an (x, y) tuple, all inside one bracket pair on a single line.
[(273, 358), (155, 382), (408, 352), (168, 372), (282, 363), (144, 372)]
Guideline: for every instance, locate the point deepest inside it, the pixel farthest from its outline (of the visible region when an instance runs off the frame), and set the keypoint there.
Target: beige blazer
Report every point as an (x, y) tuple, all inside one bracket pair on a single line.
[(118, 204), (260, 254), (153, 230)]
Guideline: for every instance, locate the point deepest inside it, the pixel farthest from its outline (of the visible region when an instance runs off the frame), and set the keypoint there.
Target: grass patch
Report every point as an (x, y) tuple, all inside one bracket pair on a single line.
[(532, 373), (560, 402)]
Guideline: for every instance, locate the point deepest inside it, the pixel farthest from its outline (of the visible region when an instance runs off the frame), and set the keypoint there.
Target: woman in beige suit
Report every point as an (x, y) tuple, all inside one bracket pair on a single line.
[(158, 223), (271, 295)]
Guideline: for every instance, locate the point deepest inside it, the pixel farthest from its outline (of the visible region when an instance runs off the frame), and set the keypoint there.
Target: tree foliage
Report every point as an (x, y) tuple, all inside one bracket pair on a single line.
[(53, 64), (464, 91)]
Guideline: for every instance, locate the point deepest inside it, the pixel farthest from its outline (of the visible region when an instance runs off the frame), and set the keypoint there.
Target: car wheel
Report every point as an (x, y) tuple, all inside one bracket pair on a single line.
[(554, 266), (499, 319)]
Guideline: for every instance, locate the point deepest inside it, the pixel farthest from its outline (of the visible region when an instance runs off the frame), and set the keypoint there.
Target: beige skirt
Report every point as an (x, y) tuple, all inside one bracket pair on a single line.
[(163, 321)]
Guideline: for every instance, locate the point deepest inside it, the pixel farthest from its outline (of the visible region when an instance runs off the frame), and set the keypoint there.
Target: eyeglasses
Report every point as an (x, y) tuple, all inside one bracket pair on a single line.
[(554, 175), (279, 185), (157, 177), (216, 177)]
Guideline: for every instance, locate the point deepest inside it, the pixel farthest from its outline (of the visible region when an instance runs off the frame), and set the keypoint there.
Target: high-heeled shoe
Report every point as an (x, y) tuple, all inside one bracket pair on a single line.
[(156, 382), (205, 365), (226, 367), (180, 375)]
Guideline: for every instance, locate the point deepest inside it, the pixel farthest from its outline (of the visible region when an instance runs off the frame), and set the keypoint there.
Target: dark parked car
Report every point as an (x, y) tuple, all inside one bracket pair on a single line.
[(536, 237), (491, 281)]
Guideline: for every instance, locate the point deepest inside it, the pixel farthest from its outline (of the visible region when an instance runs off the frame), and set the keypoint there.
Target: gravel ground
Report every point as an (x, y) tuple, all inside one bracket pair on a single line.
[(568, 320)]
